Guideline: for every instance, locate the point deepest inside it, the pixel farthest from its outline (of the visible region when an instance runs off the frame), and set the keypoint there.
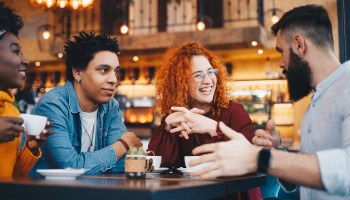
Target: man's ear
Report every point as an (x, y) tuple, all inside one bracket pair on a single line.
[(76, 74), (299, 44)]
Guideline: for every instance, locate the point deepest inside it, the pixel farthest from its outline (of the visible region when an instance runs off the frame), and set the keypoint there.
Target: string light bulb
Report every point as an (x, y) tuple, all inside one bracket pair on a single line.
[(200, 25), (37, 63), (75, 4), (254, 43), (124, 29), (46, 34), (86, 3), (62, 4), (274, 18)]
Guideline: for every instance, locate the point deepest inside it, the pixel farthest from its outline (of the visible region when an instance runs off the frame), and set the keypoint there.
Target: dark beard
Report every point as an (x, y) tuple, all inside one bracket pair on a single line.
[(298, 77)]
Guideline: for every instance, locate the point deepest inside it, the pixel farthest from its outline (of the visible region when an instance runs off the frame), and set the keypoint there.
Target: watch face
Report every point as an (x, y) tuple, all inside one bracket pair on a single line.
[(264, 160)]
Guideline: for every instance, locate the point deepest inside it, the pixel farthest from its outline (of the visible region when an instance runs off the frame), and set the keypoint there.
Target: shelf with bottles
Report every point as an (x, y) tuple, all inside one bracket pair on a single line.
[(255, 102), (265, 99), (137, 91), (274, 91), (283, 114), (278, 88)]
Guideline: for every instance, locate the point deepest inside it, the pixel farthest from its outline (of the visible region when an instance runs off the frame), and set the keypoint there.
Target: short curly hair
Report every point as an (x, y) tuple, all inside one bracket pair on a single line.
[(9, 21), (81, 51), (172, 78)]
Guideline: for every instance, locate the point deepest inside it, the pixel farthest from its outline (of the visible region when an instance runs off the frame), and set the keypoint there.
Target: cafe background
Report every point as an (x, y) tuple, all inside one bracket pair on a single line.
[(238, 31)]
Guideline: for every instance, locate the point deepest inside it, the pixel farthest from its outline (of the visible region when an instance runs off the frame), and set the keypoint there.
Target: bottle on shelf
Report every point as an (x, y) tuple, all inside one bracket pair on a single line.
[(268, 70)]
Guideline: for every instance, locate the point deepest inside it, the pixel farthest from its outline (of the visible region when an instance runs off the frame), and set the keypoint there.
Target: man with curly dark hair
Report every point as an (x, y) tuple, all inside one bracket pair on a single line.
[(89, 132), (12, 75)]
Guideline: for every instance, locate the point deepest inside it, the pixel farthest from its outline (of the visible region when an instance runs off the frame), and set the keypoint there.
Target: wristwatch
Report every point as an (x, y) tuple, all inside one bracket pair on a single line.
[(264, 160)]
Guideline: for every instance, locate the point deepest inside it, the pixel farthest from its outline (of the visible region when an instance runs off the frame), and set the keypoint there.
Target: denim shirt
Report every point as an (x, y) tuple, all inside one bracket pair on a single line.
[(63, 148)]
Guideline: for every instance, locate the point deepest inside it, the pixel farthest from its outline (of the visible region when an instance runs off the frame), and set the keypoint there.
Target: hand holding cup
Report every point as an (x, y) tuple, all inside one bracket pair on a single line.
[(10, 128), (36, 128)]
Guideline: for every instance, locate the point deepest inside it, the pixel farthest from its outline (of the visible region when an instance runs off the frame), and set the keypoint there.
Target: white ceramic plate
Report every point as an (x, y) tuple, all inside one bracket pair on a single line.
[(160, 169), (184, 170), (61, 174)]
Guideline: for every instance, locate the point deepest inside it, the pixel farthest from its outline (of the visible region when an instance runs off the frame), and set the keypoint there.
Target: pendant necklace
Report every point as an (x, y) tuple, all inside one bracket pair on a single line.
[(195, 134), (91, 148)]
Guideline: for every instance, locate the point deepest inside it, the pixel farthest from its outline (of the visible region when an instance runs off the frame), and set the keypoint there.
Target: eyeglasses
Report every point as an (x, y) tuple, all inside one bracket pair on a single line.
[(199, 76)]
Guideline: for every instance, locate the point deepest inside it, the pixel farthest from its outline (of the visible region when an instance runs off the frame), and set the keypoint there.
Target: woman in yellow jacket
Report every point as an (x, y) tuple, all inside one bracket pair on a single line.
[(13, 161)]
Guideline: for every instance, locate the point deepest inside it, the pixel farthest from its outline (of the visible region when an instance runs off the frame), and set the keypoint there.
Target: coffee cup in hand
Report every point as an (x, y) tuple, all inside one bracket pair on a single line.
[(33, 124)]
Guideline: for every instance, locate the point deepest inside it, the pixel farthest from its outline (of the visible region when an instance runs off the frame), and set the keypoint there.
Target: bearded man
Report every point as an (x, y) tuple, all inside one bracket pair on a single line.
[(305, 41)]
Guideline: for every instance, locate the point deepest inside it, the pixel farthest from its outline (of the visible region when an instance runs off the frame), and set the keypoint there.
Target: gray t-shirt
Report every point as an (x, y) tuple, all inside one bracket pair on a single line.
[(325, 130)]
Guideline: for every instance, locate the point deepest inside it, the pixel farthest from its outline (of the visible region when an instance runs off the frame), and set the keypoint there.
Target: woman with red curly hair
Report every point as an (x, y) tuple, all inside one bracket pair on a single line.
[(192, 96)]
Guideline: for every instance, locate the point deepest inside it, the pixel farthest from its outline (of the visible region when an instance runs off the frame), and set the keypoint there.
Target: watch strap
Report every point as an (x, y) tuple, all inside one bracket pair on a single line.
[(264, 160)]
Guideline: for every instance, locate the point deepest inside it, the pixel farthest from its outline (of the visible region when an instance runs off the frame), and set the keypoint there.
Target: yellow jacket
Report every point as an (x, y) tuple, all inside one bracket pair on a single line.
[(13, 162)]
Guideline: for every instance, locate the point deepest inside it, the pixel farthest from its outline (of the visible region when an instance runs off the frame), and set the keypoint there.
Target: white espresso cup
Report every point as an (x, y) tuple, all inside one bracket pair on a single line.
[(197, 167), (33, 124), (157, 160)]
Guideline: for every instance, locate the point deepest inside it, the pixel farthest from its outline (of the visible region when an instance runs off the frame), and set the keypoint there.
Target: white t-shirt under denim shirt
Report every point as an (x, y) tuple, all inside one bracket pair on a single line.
[(325, 130), (88, 130)]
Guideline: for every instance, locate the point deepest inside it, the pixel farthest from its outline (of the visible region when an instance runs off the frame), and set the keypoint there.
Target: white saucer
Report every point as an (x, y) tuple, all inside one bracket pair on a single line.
[(184, 170), (159, 170), (61, 174)]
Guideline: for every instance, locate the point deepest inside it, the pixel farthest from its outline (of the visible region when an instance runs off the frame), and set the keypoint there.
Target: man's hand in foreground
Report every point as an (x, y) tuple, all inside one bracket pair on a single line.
[(231, 158)]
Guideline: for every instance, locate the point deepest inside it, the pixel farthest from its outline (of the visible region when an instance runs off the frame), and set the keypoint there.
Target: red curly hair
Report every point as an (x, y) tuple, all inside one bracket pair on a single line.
[(172, 78)]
